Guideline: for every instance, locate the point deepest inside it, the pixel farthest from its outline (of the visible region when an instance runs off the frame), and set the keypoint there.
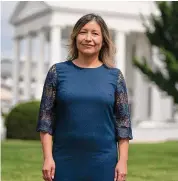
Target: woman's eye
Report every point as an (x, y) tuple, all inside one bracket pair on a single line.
[(82, 32)]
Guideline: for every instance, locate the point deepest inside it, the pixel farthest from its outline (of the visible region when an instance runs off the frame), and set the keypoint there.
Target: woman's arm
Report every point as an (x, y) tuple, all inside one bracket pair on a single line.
[(46, 117), (123, 148), (123, 127), (121, 166), (46, 121), (48, 164), (46, 141), (122, 110)]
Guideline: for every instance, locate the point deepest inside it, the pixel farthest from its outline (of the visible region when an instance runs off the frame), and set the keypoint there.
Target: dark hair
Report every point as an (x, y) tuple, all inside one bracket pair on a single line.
[(107, 50)]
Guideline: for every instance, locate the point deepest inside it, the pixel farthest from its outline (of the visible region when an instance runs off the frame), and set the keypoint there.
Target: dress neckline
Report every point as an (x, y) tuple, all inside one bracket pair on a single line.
[(89, 68)]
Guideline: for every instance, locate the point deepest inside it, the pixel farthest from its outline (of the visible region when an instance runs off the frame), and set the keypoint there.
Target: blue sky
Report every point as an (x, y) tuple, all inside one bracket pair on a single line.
[(7, 7)]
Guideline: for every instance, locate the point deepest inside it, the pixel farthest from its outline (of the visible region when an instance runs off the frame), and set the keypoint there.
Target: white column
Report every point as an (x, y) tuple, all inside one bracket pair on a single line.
[(140, 109), (120, 41), (40, 66), (16, 71), (156, 105), (27, 72), (55, 37), (156, 94)]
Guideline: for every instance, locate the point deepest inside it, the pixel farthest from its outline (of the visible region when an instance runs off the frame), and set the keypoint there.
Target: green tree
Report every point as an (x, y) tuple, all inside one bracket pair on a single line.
[(163, 33)]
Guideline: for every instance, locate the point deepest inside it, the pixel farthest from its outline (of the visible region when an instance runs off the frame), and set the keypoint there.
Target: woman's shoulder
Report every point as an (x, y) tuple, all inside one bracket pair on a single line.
[(60, 65), (114, 71)]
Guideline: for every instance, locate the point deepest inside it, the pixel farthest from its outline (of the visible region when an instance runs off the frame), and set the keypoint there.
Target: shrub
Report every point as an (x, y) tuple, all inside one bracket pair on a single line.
[(22, 120)]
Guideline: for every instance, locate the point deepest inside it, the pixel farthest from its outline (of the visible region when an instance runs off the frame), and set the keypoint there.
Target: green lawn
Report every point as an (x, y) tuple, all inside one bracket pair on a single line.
[(22, 161)]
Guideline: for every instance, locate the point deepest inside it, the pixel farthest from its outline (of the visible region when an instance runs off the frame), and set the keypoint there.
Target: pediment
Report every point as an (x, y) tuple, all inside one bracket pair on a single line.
[(27, 9)]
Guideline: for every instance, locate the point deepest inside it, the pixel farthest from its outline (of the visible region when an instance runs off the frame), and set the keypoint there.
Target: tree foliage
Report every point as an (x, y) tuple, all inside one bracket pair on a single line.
[(163, 33)]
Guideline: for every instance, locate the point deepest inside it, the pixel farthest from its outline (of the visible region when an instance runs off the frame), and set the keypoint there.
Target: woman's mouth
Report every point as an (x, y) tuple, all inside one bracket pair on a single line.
[(86, 45)]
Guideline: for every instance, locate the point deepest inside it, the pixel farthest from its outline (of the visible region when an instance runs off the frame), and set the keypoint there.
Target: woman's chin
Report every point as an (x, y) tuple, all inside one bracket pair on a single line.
[(88, 52)]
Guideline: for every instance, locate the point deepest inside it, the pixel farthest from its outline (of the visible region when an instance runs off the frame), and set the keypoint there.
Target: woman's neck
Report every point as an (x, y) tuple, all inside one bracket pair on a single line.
[(88, 61)]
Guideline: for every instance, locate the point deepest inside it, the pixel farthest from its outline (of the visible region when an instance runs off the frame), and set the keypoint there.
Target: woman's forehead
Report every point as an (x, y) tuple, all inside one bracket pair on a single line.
[(92, 25)]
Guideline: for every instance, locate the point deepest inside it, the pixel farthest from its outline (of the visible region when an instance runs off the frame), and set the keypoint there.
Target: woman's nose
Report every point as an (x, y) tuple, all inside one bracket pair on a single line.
[(88, 37)]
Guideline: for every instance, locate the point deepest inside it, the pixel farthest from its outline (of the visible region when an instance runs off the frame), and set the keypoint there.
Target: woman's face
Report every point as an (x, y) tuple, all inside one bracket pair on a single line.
[(89, 40)]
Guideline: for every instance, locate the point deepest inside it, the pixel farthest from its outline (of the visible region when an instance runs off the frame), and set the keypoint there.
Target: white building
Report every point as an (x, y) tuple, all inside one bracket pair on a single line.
[(7, 82), (51, 23)]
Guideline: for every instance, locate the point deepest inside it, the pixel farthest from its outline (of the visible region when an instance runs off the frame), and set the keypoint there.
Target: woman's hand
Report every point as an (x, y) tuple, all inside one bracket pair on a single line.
[(48, 169), (121, 171)]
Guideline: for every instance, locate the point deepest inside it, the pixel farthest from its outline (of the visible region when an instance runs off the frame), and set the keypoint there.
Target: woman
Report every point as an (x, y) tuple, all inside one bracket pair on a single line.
[(84, 110)]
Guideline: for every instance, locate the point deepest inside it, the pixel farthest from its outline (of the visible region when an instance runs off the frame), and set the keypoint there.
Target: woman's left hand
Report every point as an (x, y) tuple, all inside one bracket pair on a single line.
[(121, 171)]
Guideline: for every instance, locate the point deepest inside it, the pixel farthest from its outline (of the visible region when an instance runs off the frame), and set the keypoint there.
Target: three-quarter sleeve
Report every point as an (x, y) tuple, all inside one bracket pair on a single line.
[(46, 115), (122, 110)]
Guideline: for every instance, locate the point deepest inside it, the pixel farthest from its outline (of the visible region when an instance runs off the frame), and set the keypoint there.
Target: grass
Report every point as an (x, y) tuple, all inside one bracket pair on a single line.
[(22, 161), (153, 162)]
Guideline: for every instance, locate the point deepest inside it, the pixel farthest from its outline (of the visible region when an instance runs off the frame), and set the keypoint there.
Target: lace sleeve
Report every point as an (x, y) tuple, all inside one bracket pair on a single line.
[(122, 111), (47, 106)]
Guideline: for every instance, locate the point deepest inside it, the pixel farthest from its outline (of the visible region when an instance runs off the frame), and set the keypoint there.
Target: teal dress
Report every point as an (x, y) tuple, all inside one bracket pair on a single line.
[(86, 111)]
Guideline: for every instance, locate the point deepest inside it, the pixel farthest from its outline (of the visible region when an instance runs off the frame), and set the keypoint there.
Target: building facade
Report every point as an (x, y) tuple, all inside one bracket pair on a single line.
[(50, 24)]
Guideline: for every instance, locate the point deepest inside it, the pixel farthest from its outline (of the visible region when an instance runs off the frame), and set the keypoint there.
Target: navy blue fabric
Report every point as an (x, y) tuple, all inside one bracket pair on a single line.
[(86, 111)]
